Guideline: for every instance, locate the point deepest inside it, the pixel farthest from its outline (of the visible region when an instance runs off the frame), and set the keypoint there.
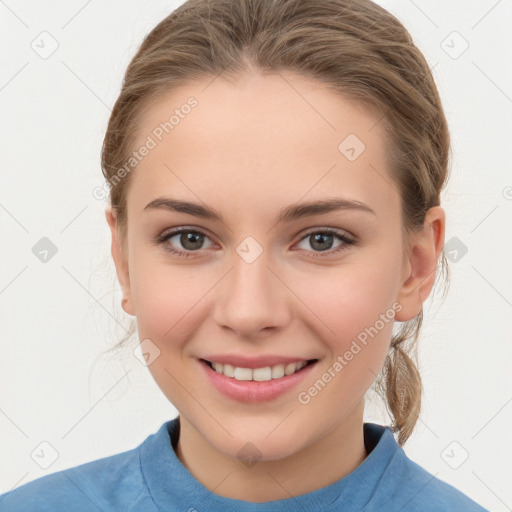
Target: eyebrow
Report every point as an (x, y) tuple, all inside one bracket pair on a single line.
[(288, 214)]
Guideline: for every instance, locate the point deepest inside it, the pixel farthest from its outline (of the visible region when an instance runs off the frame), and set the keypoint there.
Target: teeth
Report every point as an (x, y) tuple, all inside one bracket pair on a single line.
[(228, 371), (258, 374), (243, 373), (278, 371), (290, 368)]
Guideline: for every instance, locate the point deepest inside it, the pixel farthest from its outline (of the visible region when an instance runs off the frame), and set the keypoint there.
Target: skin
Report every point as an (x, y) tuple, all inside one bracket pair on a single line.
[(248, 150)]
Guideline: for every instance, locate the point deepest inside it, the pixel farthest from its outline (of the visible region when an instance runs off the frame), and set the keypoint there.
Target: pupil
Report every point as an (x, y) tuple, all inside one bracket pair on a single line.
[(191, 238), (321, 237)]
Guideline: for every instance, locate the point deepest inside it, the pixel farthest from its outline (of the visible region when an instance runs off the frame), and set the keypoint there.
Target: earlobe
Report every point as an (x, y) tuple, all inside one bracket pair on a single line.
[(121, 263), (420, 264)]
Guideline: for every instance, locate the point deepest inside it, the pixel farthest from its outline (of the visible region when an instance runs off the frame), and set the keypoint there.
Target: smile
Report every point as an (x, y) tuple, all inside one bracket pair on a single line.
[(258, 374), (261, 383)]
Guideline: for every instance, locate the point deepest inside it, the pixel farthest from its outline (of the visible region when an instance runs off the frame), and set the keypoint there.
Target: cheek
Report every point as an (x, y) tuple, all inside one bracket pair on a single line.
[(356, 305), (171, 303), (353, 297), (165, 302), (170, 306), (342, 301)]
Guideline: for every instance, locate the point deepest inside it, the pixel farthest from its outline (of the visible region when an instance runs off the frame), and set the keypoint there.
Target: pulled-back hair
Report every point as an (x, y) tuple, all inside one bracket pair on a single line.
[(357, 49)]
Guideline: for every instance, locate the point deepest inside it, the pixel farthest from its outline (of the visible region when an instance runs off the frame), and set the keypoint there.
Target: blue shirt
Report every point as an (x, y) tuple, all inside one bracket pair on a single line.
[(151, 478)]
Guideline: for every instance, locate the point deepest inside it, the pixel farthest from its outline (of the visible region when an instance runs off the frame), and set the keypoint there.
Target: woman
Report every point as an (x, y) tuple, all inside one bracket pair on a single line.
[(275, 171)]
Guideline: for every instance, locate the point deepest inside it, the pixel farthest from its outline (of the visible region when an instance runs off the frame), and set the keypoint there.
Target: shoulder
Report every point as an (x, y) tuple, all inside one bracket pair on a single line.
[(408, 486), (432, 493), (110, 483)]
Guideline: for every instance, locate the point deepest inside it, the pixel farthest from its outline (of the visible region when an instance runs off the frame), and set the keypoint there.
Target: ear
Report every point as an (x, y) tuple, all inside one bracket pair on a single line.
[(121, 263), (420, 263)]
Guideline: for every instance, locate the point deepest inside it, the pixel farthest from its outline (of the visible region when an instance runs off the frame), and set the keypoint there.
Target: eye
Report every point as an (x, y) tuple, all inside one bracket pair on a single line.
[(322, 240), (190, 239)]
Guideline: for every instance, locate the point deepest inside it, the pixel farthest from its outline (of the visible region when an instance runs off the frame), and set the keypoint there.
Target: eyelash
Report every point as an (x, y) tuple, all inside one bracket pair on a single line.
[(347, 242)]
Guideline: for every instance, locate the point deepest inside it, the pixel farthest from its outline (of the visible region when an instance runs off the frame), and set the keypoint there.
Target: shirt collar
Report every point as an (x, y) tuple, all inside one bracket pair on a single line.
[(173, 487)]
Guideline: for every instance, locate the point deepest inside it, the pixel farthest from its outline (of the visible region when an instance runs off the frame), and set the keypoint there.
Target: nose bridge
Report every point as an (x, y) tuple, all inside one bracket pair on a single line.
[(252, 297)]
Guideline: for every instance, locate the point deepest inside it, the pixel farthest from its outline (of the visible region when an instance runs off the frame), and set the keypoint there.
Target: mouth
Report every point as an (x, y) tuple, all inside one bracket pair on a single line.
[(266, 373)]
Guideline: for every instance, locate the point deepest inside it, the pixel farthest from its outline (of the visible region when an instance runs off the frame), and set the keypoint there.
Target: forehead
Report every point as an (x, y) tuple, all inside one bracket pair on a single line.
[(263, 139)]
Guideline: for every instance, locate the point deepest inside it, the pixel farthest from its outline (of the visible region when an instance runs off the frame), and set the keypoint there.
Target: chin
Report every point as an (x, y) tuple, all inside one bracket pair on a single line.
[(260, 450), (260, 444)]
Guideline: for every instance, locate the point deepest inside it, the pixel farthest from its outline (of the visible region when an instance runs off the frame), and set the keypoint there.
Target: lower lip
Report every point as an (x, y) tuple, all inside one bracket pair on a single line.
[(250, 391)]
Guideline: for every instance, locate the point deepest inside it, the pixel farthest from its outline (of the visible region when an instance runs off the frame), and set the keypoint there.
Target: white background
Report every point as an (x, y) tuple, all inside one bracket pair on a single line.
[(57, 317)]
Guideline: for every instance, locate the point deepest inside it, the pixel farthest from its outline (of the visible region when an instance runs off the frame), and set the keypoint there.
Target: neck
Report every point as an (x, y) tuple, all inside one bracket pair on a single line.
[(318, 465)]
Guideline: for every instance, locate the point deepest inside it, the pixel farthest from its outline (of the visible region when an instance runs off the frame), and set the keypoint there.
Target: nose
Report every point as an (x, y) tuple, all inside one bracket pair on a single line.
[(252, 298)]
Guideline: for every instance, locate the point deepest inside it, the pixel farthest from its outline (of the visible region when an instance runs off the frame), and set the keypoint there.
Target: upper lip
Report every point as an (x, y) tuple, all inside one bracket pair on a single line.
[(253, 362)]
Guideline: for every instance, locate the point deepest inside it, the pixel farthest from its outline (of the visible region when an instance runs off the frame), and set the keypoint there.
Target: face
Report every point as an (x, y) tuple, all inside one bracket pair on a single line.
[(256, 288)]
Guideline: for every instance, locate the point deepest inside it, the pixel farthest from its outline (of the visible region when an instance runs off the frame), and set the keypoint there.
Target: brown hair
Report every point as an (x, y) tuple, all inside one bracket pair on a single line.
[(357, 49)]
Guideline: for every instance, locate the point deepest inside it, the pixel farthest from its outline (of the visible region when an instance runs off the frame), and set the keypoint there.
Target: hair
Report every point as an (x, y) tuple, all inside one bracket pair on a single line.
[(355, 48)]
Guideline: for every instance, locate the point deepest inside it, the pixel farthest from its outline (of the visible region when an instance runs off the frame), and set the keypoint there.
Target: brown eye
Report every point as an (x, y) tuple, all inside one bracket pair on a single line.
[(187, 241), (321, 241)]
